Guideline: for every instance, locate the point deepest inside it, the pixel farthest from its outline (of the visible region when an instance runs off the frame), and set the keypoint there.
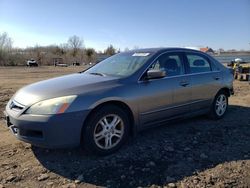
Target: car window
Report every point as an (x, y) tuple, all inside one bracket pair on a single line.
[(198, 64), (170, 63)]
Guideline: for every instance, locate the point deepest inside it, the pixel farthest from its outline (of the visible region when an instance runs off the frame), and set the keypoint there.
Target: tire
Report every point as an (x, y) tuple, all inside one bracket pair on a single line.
[(106, 130), (219, 106)]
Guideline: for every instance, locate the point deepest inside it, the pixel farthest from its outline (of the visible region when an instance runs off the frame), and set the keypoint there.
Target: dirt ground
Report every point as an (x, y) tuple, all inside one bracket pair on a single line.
[(198, 152)]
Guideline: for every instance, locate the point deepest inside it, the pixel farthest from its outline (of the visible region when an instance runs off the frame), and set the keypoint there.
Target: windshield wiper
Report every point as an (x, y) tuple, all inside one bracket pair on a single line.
[(97, 73)]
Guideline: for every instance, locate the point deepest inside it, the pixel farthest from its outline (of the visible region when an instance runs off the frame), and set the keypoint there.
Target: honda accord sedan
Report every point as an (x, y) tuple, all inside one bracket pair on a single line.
[(99, 108)]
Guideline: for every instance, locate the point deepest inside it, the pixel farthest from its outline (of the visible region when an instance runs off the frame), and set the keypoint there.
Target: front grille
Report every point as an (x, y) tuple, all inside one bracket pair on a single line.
[(16, 106)]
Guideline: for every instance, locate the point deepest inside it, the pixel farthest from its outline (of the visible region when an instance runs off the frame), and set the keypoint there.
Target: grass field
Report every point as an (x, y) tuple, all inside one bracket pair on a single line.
[(194, 153)]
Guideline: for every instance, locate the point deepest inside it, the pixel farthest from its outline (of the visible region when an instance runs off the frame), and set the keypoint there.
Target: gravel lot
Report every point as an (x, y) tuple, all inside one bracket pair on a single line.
[(197, 152)]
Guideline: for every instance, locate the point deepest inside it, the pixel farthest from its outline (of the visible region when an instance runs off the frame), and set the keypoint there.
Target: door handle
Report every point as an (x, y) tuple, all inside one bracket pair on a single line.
[(216, 77), (184, 83)]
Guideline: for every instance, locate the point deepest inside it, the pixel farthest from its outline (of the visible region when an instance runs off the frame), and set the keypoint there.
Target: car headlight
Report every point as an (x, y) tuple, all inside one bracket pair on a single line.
[(51, 106)]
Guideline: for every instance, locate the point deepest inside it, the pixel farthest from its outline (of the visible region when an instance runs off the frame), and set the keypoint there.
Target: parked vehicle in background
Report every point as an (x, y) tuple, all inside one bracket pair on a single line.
[(128, 92), (32, 63), (76, 63), (61, 65)]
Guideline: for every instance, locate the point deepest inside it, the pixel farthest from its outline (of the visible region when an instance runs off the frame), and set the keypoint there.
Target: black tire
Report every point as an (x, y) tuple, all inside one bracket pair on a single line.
[(90, 127), (214, 114)]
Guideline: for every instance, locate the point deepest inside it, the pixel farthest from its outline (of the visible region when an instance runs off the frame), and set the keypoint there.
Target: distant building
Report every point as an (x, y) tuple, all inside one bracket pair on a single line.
[(207, 50)]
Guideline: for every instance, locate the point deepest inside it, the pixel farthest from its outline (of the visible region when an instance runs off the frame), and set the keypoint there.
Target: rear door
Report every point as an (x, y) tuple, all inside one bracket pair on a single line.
[(205, 80)]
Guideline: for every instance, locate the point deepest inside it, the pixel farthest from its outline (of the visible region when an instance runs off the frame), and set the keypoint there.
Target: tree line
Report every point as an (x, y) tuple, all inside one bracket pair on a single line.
[(70, 52)]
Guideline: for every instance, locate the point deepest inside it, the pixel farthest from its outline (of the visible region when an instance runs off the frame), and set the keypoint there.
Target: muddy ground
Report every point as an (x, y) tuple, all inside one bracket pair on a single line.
[(198, 152)]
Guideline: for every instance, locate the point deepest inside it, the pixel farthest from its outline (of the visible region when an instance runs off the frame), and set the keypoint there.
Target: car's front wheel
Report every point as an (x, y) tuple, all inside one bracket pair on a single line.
[(106, 130), (219, 106)]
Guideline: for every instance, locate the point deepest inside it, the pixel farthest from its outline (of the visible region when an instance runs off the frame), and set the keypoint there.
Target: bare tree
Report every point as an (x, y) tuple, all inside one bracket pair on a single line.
[(56, 50), (5, 42), (126, 49), (75, 44), (64, 46), (110, 50), (136, 47), (90, 54), (38, 53), (5, 48)]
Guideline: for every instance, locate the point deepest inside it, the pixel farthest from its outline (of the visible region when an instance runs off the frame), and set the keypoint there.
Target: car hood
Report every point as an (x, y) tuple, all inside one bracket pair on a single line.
[(73, 84)]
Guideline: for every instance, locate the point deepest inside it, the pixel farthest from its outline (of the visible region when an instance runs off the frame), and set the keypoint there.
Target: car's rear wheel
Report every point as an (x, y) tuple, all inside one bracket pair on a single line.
[(106, 130), (219, 106)]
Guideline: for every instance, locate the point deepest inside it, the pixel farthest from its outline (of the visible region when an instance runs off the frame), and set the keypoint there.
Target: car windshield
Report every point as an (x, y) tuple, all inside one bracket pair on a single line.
[(120, 65)]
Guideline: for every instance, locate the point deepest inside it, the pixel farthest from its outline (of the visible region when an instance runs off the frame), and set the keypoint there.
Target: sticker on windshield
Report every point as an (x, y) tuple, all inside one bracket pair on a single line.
[(140, 54)]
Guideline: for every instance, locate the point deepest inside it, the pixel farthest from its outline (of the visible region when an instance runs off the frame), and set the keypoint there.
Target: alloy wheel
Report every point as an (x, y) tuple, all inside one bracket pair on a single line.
[(221, 105), (108, 131)]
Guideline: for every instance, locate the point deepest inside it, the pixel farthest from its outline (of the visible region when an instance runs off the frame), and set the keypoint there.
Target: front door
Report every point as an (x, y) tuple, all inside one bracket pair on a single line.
[(164, 98)]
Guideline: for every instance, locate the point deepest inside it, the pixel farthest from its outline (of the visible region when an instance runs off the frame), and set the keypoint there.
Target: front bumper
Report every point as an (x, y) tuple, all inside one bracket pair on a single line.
[(49, 131)]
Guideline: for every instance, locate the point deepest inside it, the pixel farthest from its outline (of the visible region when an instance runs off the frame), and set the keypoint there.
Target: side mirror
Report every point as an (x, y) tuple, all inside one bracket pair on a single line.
[(154, 74)]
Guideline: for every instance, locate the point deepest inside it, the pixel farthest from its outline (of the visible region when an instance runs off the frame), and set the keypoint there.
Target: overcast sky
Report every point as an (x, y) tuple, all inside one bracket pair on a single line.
[(128, 23)]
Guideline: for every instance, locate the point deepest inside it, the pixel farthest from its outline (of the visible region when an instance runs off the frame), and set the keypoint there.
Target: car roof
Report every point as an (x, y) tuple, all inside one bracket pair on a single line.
[(157, 50)]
